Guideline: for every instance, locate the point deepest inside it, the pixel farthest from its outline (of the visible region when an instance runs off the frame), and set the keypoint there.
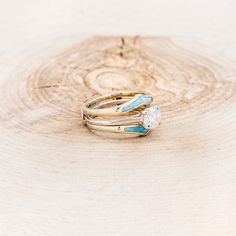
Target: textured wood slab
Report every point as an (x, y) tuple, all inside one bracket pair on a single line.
[(58, 178)]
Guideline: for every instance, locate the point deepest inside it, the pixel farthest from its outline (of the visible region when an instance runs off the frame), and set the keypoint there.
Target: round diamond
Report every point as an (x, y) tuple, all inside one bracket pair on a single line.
[(151, 117)]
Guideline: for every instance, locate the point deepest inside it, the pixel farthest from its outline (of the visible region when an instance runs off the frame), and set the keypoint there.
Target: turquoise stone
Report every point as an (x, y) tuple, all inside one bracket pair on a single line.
[(139, 101), (136, 129)]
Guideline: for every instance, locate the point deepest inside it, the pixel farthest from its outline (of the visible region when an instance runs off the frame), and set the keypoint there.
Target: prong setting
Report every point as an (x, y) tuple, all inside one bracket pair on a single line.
[(151, 117)]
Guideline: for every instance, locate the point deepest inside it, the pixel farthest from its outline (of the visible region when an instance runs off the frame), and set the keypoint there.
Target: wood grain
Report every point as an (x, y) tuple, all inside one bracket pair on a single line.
[(49, 98), (58, 178)]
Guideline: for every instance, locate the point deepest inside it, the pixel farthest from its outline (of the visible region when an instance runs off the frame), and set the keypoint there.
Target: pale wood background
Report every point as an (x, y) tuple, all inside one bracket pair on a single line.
[(57, 178)]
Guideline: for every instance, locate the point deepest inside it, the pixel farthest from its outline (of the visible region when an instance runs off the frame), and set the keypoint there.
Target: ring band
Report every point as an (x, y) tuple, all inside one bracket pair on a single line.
[(123, 112)]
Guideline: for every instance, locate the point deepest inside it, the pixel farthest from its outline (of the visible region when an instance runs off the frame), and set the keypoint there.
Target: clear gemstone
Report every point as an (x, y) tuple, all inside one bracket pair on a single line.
[(151, 117)]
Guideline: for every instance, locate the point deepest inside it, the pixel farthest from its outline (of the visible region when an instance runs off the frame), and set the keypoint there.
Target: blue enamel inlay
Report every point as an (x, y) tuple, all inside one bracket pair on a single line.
[(139, 101), (136, 129)]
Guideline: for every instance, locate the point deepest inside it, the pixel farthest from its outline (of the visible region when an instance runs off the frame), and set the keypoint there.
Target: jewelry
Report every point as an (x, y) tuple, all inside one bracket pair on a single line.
[(123, 112)]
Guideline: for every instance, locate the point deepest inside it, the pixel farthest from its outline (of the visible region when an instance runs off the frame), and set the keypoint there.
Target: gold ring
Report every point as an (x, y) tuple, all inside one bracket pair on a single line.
[(122, 112)]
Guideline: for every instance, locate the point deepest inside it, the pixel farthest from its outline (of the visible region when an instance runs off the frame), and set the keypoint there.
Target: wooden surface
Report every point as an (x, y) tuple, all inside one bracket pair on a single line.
[(57, 178)]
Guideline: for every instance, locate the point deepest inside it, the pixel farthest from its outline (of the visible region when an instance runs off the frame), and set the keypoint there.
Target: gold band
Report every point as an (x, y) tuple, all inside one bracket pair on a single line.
[(123, 112)]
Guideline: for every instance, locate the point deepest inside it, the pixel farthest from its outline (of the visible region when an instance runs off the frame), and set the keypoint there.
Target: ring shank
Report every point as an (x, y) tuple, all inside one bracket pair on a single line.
[(117, 112)]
